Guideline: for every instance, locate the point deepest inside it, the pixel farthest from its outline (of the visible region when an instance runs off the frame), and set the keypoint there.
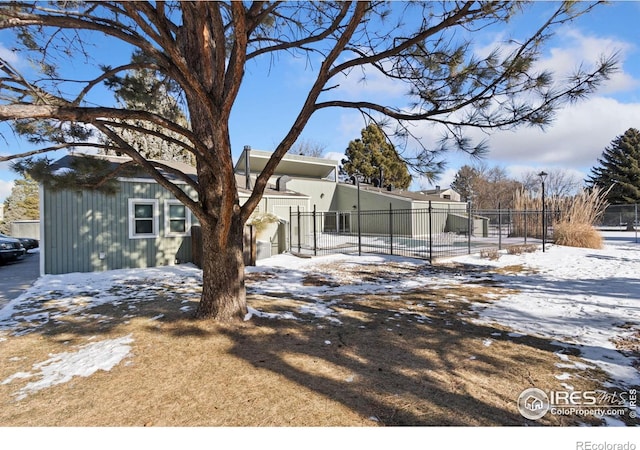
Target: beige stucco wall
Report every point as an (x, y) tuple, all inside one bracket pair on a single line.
[(321, 192)]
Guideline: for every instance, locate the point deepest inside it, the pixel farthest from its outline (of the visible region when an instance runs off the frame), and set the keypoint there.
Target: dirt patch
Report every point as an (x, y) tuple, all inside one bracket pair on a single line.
[(383, 359), (629, 343)]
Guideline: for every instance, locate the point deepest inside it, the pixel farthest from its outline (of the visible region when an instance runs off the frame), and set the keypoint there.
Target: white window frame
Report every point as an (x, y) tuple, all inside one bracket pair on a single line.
[(167, 219), (132, 219)]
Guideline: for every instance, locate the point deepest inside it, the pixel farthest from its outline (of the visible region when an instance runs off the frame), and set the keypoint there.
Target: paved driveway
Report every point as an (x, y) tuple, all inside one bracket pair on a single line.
[(17, 276)]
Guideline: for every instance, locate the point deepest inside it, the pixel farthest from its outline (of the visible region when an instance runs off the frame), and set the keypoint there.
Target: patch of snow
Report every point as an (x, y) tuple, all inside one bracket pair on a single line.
[(613, 422), (575, 297), (62, 367), (563, 376), (254, 312)]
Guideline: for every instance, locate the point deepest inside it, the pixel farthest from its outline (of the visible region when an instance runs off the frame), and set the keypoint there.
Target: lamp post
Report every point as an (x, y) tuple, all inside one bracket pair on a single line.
[(543, 177)]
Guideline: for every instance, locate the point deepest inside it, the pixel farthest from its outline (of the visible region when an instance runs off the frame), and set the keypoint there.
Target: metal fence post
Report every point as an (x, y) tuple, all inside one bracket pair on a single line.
[(315, 239), (299, 227), (469, 227), (430, 235), (635, 222), (499, 227), (391, 227), (290, 228), (525, 224), (359, 222)]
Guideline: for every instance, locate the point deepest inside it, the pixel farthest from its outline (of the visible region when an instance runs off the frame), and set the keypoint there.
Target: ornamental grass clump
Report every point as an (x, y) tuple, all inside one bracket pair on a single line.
[(573, 234), (261, 220), (576, 225), (572, 218)]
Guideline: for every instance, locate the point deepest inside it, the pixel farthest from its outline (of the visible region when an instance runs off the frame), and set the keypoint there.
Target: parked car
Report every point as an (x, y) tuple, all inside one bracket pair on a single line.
[(10, 249), (27, 243)]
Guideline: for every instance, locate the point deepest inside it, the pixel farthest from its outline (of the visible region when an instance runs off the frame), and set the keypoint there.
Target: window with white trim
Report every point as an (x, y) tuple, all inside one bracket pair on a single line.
[(177, 220), (143, 218)]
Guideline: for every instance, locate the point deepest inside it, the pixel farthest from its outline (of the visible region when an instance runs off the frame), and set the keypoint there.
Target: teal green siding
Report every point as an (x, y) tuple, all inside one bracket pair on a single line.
[(81, 226)]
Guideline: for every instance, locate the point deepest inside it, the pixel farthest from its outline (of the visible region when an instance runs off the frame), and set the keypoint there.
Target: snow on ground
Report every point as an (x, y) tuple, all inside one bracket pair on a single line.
[(340, 277), (580, 298), (577, 297), (54, 296), (75, 293)]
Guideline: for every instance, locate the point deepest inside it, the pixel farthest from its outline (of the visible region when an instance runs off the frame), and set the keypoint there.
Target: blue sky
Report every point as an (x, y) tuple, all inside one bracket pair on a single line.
[(270, 99)]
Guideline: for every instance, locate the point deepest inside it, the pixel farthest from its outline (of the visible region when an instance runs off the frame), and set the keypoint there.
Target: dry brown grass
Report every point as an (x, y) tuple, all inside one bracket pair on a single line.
[(572, 220), (572, 234), (413, 359), (576, 229), (522, 248), (492, 254)]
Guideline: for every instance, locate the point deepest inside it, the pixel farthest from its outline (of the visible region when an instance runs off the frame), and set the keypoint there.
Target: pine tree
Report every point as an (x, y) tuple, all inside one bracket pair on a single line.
[(463, 182), (23, 203), (618, 169), (371, 155), (144, 89)]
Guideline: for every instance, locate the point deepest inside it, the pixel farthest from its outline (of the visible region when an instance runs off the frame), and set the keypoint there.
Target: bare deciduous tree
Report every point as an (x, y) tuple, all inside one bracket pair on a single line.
[(559, 182), (306, 147)]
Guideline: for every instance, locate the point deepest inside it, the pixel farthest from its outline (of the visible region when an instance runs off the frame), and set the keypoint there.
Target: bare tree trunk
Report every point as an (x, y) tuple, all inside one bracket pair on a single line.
[(223, 289)]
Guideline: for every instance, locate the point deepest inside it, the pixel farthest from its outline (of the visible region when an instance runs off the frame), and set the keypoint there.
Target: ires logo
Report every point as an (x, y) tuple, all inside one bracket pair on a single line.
[(534, 403)]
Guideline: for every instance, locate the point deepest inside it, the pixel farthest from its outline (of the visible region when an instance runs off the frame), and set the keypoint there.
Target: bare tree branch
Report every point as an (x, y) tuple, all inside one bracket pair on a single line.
[(307, 110)]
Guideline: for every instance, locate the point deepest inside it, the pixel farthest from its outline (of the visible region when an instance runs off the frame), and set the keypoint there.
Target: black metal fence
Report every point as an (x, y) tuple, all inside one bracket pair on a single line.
[(429, 233), (623, 217)]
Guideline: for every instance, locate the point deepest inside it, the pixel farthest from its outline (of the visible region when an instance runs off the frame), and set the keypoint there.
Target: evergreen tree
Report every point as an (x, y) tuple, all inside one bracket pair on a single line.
[(23, 203), (619, 169), (373, 153), (146, 90), (463, 182), (84, 172)]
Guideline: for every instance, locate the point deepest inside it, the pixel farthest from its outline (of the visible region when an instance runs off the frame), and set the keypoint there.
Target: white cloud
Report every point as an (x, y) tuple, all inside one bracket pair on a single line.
[(580, 132), (350, 125), (334, 156), (580, 49), (10, 56), (575, 140), (519, 172)]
